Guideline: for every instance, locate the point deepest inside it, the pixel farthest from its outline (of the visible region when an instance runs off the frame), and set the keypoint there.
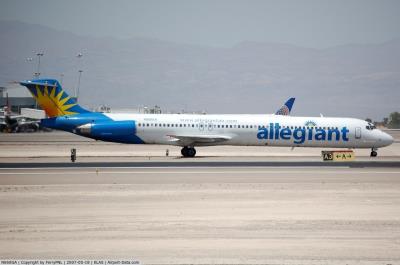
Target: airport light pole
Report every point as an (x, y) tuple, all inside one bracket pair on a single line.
[(39, 54), (79, 83), (79, 56)]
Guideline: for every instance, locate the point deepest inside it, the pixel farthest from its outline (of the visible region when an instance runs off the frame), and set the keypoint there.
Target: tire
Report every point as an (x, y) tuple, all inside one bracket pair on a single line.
[(184, 151), (191, 152)]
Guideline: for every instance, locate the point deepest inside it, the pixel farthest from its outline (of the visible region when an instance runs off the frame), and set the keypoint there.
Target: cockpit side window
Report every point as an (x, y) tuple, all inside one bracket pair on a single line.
[(370, 126)]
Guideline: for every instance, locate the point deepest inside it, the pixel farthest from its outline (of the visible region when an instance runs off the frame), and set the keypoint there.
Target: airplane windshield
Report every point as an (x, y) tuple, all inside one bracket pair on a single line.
[(370, 126)]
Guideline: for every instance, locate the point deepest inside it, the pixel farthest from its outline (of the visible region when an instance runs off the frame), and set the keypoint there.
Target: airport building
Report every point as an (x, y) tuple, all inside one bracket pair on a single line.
[(17, 97)]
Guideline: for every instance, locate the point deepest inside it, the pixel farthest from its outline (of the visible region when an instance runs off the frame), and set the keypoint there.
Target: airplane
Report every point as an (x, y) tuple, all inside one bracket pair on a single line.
[(189, 130), (20, 124), (11, 123)]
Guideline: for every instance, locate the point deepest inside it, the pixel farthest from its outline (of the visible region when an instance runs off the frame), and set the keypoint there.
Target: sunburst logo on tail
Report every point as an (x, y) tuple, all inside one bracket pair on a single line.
[(52, 101), (52, 98)]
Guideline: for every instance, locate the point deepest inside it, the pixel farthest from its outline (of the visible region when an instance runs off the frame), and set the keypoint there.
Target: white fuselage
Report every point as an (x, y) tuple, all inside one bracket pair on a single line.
[(256, 130)]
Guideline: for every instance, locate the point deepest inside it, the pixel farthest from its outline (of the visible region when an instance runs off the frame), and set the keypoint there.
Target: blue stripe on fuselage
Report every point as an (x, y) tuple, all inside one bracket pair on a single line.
[(69, 123)]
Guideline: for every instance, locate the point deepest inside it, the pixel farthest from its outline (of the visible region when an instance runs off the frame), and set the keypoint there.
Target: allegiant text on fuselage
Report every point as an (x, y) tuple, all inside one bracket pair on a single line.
[(300, 134)]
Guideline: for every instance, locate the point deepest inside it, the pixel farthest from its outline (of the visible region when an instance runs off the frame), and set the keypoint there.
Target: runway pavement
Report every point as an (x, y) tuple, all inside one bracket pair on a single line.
[(209, 163), (202, 215), (230, 205)]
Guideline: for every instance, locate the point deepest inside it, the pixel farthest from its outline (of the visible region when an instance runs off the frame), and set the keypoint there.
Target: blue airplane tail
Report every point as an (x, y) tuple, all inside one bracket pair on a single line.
[(286, 108), (52, 98)]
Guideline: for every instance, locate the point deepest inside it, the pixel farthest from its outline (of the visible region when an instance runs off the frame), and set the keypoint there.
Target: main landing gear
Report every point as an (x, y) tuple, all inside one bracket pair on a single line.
[(188, 151), (374, 152)]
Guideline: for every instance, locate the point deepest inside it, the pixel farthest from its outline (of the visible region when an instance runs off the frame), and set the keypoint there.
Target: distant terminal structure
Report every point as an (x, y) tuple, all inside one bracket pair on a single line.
[(20, 101), (16, 97), (143, 110)]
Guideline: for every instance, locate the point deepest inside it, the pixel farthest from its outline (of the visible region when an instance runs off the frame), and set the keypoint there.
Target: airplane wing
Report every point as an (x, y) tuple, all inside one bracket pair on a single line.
[(190, 140)]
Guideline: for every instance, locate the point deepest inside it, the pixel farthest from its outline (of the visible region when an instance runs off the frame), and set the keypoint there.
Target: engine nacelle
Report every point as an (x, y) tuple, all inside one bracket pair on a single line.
[(115, 131)]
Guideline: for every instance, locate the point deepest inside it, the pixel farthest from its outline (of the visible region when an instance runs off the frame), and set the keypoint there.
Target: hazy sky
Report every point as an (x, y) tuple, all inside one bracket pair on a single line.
[(317, 24)]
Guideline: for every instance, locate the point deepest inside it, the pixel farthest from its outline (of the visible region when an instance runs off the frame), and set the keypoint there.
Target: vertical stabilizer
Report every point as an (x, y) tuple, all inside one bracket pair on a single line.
[(52, 98), (286, 108)]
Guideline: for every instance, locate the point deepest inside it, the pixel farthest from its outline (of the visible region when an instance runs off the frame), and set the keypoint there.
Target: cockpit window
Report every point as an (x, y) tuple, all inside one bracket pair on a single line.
[(370, 126)]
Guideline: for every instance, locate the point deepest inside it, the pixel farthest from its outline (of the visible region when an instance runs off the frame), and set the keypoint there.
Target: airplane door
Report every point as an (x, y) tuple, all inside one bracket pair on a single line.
[(358, 133)]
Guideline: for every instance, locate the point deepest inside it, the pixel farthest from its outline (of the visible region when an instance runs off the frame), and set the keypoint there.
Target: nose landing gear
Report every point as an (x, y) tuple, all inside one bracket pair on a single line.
[(188, 151), (374, 152)]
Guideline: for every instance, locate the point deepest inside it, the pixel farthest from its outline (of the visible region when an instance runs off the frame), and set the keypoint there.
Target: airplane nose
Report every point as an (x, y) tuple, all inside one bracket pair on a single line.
[(387, 139)]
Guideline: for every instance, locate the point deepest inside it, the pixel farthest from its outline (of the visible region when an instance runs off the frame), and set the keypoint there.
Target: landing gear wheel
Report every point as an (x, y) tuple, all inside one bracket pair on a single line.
[(184, 151), (374, 152), (188, 151), (191, 152)]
